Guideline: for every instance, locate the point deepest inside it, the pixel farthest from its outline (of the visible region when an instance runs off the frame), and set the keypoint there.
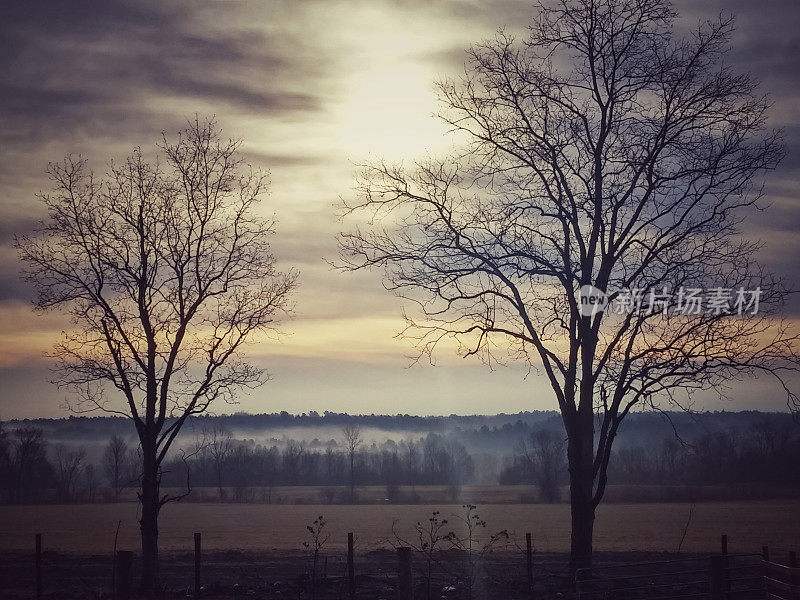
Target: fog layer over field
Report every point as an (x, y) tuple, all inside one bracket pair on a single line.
[(401, 459)]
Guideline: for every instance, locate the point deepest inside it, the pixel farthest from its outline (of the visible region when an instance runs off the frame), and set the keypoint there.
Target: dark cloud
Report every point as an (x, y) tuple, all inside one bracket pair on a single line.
[(99, 77), (271, 160), (71, 65), (12, 286)]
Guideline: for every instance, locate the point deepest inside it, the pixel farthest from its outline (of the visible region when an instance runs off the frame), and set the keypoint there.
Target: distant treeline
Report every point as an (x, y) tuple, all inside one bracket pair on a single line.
[(34, 471), (245, 471), (36, 466), (479, 433), (766, 453)]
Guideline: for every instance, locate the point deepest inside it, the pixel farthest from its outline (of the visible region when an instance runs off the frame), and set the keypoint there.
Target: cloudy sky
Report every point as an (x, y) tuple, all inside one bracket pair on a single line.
[(311, 88)]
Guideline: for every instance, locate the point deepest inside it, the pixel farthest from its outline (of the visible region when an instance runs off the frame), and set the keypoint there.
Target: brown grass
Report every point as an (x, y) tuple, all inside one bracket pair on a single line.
[(619, 527)]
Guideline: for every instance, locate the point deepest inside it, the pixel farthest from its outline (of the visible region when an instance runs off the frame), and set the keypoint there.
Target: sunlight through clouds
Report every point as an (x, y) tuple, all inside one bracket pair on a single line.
[(312, 89)]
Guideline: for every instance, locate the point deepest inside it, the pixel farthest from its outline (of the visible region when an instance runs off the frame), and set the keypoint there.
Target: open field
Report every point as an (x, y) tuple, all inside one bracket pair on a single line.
[(85, 529), (483, 494)]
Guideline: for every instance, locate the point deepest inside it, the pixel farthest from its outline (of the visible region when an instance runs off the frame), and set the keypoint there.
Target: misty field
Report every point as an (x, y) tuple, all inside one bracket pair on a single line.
[(88, 529)]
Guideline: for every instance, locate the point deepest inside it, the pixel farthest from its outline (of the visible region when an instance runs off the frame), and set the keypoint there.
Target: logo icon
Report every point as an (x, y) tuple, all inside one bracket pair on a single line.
[(592, 300)]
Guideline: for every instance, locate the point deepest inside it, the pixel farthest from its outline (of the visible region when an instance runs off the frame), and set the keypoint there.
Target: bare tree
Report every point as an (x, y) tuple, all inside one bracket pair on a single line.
[(29, 465), (218, 444), (90, 481), (68, 467), (412, 459), (352, 442), (268, 470), (544, 458), (5, 463), (292, 460), (166, 271), (600, 151), (115, 464), (334, 463)]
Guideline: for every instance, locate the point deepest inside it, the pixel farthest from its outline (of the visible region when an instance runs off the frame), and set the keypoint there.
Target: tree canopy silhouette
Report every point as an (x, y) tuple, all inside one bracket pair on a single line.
[(166, 271), (602, 150)]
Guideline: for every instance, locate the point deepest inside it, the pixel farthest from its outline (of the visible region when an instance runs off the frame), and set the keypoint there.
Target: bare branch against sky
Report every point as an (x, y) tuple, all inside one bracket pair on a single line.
[(590, 223), (312, 87)]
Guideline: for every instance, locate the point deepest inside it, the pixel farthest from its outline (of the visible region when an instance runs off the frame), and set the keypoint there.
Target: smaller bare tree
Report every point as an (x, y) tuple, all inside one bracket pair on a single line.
[(545, 457), (28, 463), (433, 536), (69, 466), (471, 542), (90, 483), (319, 537), (166, 270), (115, 465), (412, 459), (5, 462), (353, 441), (219, 443)]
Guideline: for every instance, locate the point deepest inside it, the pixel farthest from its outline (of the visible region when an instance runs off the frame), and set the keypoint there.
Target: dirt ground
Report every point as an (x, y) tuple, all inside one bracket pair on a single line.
[(283, 575), (91, 529), (256, 551)]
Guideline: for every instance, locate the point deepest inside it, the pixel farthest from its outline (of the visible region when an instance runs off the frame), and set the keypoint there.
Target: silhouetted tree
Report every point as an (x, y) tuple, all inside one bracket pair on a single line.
[(600, 151), (410, 451), (391, 472), (334, 464), (90, 482), (5, 464), (457, 466), (241, 465), (30, 469), (544, 456), (166, 270), (68, 469), (268, 469), (115, 465), (352, 442), (218, 445)]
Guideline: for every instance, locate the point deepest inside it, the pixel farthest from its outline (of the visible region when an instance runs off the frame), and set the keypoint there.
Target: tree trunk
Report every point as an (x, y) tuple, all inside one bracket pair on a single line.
[(581, 483), (352, 479), (219, 483), (149, 523), (580, 556)]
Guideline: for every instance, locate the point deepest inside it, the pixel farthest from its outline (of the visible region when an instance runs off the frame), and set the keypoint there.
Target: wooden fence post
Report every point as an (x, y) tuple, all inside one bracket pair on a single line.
[(405, 578), (529, 563), (765, 553), (794, 580), (38, 566), (351, 574), (717, 578), (726, 563), (197, 555), (124, 562)]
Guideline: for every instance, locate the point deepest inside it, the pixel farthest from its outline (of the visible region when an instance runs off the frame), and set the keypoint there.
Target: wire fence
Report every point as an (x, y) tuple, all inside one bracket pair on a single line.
[(402, 572)]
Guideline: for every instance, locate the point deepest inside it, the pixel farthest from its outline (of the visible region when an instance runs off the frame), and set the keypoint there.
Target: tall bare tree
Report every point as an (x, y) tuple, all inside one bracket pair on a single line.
[(599, 151), (166, 271), (352, 442)]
